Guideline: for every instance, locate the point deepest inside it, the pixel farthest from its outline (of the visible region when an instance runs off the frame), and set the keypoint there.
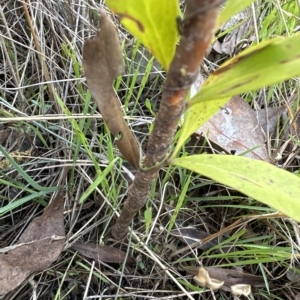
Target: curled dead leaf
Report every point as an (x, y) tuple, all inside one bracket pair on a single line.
[(204, 280), (228, 276), (103, 62), (241, 290)]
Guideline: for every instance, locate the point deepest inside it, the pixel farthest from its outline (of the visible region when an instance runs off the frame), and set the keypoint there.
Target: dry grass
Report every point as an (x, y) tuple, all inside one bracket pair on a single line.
[(40, 47)]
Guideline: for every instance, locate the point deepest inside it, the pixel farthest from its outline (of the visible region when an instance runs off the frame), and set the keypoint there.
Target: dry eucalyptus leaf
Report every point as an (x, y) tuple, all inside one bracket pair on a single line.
[(40, 245), (228, 276), (191, 235), (103, 253), (235, 128), (103, 62), (268, 118)]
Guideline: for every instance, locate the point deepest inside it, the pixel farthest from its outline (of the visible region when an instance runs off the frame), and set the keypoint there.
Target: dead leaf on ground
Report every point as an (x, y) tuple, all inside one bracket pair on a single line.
[(268, 118), (103, 253), (228, 276), (191, 235), (4, 134), (204, 280), (40, 245), (241, 34), (103, 62), (236, 129)]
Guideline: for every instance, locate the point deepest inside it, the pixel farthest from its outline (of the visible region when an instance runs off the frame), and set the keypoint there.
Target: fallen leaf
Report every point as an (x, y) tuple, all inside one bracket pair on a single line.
[(103, 62), (40, 245), (268, 118), (241, 23), (191, 235), (228, 276), (102, 253), (204, 280), (235, 128), (4, 134)]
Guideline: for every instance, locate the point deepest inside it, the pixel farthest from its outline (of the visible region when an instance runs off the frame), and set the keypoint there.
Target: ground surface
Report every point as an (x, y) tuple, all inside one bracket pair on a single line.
[(41, 61)]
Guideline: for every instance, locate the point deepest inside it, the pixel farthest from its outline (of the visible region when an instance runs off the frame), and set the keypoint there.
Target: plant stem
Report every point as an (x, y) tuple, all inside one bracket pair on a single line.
[(197, 31)]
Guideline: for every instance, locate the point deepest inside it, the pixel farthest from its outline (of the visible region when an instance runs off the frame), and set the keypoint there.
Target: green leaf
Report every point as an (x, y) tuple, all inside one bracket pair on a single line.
[(258, 179), (195, 117), (231, 8), (152, 22), (264, 64), (15, 204), (100, 177)]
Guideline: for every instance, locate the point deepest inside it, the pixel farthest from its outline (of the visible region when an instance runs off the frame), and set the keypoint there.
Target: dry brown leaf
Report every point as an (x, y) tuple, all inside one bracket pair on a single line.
[(103, 62), (228, 276), (4, 133), (242, 24), (40, 245), (204, 280), (102, 253), (191, 235), (235, 128), (268, 118)]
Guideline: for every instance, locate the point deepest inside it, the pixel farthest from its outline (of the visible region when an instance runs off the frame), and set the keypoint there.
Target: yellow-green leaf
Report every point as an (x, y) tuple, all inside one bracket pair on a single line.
[(152, 22), (195, 117), (265, 64), (258, 179)]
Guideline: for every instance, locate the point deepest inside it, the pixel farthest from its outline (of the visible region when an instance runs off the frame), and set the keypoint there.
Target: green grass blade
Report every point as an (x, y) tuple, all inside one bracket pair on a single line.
[(19, 202), (98, 180), (26, 176)]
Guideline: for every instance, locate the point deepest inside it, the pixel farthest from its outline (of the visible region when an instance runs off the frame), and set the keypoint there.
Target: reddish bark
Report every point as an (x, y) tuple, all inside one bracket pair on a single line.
[(197, 31)]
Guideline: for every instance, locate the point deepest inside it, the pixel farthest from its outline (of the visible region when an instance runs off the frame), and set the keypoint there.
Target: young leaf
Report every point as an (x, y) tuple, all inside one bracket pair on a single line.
[(264, 64), (257, 179), (152, 22), (231, 8), (103, 62)]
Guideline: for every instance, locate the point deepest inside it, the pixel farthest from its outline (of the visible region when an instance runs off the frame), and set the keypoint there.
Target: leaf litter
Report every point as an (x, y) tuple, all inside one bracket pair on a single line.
[(238, 129), (40, 245), (102, 253)]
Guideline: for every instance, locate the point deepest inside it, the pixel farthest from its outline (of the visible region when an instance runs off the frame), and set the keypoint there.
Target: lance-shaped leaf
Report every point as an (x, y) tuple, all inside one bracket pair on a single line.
[(102, 253), (103, 62), (195, 117), (261, 65), (240, 281), (258, 179), (152, 22)]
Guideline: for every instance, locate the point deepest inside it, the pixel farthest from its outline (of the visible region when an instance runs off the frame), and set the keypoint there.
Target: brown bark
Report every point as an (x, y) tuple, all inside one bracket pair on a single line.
[(197, 31)]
